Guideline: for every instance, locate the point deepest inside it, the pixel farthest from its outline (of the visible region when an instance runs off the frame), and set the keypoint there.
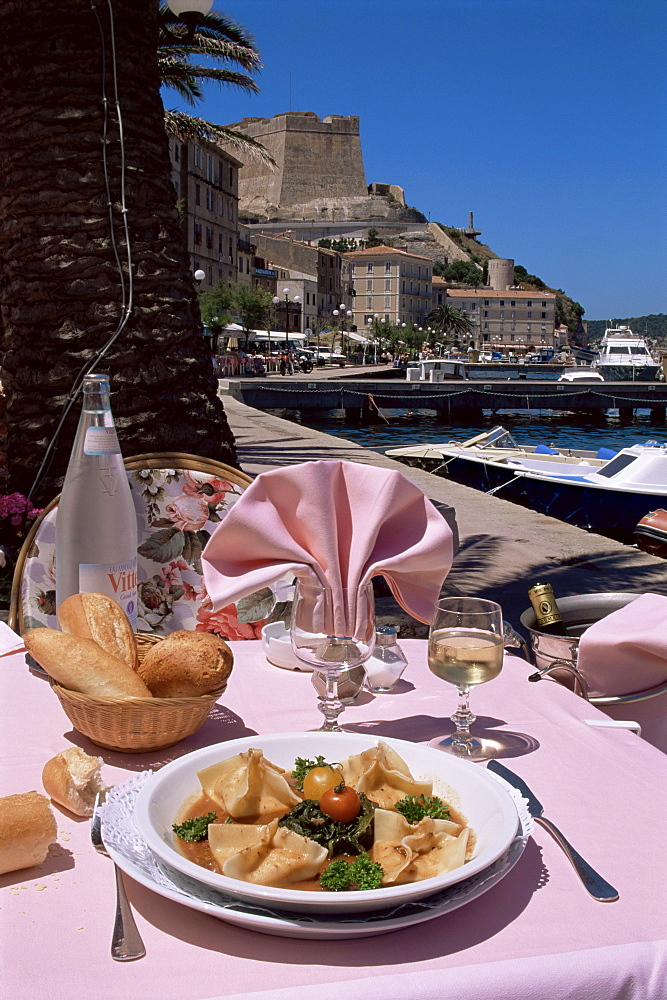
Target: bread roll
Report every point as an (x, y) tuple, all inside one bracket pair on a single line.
[(97, 617), (82, 665), (27, 830), (73, 779), (186, 664)]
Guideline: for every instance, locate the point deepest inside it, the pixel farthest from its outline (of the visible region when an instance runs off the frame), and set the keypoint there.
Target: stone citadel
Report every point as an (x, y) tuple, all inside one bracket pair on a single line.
[(319, 174)]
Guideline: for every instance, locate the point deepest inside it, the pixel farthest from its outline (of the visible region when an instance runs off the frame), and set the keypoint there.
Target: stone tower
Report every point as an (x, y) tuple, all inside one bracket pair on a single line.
[(317, 160)]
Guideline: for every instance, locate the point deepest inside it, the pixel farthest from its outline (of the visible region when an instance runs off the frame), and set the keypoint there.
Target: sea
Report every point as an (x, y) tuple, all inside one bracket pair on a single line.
[(401, 428)]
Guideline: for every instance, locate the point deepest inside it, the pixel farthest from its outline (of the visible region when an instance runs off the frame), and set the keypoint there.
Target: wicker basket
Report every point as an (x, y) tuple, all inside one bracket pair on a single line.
[(136, 725)]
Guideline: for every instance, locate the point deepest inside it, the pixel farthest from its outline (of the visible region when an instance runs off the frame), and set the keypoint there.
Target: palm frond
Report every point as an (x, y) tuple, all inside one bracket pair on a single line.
[(212, 25), (184, 127), (216, 48)]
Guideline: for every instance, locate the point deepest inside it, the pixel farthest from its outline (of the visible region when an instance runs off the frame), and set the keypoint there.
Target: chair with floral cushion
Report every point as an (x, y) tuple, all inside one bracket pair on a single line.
[(179, 500)]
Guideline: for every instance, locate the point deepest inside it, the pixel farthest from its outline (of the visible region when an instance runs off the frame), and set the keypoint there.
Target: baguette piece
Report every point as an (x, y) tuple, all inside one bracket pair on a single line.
[(186, 664), (73, 779), (82, 665), (27, 830), (97, 617)]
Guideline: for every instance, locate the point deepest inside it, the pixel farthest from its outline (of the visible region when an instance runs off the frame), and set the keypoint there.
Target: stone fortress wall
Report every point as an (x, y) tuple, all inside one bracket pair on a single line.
[(319, 172)]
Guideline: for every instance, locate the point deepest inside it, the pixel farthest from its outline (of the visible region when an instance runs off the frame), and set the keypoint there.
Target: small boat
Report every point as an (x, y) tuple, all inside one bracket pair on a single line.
[(604, 491), (495, 444), (583, 373), (625, 357)]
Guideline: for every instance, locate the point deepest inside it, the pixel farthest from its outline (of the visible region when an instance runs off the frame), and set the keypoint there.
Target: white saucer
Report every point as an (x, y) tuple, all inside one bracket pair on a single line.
[(132, 855)]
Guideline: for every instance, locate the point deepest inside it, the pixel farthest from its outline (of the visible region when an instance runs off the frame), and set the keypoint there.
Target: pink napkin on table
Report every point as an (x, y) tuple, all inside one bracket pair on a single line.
[(626, 652), (339, 523)]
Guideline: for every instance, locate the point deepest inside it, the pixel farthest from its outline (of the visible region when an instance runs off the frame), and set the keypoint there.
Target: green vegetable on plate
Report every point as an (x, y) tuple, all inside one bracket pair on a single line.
[(416, 807), (195, 828), (342, 875)]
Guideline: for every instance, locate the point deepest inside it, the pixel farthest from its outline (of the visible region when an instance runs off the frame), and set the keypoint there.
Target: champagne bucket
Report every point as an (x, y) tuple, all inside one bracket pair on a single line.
[(557, 654)]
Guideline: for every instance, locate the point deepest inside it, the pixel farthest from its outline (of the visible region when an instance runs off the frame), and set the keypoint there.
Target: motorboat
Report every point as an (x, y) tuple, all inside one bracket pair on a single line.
[(582, 373), (605, 491), (608, 500), (434, 370), (625, 357), (496, 444)]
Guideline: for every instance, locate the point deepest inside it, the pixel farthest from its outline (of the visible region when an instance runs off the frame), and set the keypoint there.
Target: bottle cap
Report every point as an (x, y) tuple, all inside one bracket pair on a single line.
[(385, 635)]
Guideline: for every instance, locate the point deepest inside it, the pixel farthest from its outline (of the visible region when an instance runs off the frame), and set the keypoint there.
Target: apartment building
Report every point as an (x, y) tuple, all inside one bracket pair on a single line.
[(206, 179), (323, 275), (391, 284), (246, 251), (509, 320)]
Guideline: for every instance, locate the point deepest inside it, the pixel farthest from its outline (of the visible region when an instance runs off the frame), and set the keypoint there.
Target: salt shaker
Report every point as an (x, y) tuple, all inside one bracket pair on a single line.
[(386, 663)]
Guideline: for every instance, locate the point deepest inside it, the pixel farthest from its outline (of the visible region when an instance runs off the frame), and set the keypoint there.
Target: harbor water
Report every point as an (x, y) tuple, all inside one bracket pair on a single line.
[(401, 428)]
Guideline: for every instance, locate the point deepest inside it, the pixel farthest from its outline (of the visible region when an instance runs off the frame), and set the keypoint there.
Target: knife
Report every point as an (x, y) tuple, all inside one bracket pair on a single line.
[(594, 883)]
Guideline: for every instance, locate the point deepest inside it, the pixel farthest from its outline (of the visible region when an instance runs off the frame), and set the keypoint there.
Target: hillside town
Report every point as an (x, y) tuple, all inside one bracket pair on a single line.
[(339, 256)]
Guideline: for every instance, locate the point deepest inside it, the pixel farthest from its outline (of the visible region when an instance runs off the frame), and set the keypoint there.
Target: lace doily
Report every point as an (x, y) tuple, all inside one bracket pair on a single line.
[(123, 837)]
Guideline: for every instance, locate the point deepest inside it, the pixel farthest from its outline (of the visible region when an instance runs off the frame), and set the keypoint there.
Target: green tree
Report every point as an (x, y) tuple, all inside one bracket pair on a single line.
[(450, 322), (92, 261), (373, 239), (463, 271), (252, 305)]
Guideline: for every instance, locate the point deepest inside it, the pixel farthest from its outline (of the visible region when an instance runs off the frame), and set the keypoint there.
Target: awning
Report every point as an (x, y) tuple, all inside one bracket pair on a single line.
[(357, 336)]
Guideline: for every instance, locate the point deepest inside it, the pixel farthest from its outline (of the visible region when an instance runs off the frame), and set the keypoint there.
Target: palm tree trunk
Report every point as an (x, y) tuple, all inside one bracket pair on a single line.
[(62, 291)]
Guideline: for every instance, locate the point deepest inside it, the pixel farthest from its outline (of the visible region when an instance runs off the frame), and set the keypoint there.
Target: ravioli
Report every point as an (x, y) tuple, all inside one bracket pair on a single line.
[(248, 786), (410, 852), (266, 854), (382, 775)]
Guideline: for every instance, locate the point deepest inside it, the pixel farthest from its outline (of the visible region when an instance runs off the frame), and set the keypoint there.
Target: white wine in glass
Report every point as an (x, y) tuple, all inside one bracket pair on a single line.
[(465, 648)]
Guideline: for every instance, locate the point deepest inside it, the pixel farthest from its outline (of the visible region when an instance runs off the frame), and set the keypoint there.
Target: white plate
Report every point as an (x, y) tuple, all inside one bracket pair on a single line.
[(489, 810), (132, 855)]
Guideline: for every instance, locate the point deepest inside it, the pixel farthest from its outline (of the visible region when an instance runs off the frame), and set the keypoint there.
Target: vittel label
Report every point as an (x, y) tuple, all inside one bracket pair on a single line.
[(117, 580), (101, 441)]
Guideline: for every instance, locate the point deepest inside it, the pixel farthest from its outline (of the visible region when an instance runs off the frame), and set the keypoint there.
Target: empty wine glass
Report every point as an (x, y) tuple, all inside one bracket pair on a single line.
[(465, 648), (332, 636)]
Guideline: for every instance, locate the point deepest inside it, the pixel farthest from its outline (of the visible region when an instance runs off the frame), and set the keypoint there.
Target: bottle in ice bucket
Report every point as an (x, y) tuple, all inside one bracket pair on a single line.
[(96, 525), (547, 616)]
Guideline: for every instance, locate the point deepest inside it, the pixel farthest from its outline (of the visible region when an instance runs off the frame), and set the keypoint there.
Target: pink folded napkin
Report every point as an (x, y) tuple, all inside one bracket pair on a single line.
[(626, 652), (336, 523)]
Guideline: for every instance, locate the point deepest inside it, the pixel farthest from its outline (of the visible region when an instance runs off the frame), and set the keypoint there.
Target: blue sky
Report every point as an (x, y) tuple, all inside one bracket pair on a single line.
[(546, 118)]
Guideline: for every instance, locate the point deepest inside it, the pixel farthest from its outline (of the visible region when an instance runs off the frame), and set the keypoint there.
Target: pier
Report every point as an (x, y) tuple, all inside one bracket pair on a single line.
[(364, 398)]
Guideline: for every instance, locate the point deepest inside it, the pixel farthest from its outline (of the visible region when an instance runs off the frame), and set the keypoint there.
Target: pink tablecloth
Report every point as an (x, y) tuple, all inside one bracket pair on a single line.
[(537, 934)]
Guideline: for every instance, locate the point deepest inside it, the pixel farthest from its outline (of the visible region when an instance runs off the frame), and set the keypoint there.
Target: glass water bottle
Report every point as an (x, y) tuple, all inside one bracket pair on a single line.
[(96, 524)]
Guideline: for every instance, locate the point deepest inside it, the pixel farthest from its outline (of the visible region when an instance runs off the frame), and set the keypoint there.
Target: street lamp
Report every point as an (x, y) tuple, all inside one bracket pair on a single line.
[(276, 302), (343, 313)]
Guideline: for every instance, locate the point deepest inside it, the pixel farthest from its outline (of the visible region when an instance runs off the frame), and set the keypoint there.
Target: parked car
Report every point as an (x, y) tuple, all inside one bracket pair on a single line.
[(323, 356)]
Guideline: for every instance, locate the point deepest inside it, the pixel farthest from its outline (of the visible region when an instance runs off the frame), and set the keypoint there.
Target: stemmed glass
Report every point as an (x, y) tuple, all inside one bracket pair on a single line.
[(331, 639), (465, 648)]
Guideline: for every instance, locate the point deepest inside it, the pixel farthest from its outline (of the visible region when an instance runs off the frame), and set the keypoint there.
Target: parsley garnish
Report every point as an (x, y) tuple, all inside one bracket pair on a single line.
[(342, 875), (416, 807), (194, 829)]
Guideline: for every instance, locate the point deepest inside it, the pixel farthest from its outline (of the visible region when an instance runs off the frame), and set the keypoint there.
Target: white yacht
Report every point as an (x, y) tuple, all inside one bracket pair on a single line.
[(625, 357)]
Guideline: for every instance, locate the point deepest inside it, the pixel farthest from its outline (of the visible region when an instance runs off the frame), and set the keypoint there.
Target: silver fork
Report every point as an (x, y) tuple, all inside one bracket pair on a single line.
[(126, 943)]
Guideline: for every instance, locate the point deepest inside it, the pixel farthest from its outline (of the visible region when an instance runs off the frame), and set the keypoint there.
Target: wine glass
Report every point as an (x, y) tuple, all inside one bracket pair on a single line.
[(465, 648), (332, 637)]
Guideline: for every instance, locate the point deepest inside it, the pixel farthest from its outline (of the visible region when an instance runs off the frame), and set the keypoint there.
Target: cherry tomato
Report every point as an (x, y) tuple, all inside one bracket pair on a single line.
[(318, 780), (342, 804)]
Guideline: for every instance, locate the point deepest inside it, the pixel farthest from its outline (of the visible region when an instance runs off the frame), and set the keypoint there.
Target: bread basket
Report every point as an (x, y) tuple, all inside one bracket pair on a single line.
[(136, 725)]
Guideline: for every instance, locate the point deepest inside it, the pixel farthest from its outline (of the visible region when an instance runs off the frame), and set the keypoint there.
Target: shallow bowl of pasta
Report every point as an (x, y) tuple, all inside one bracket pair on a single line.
[(238, 794)]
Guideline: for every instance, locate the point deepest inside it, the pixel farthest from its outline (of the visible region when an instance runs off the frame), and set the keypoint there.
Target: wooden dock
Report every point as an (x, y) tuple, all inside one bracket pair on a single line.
[(456, 398)]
